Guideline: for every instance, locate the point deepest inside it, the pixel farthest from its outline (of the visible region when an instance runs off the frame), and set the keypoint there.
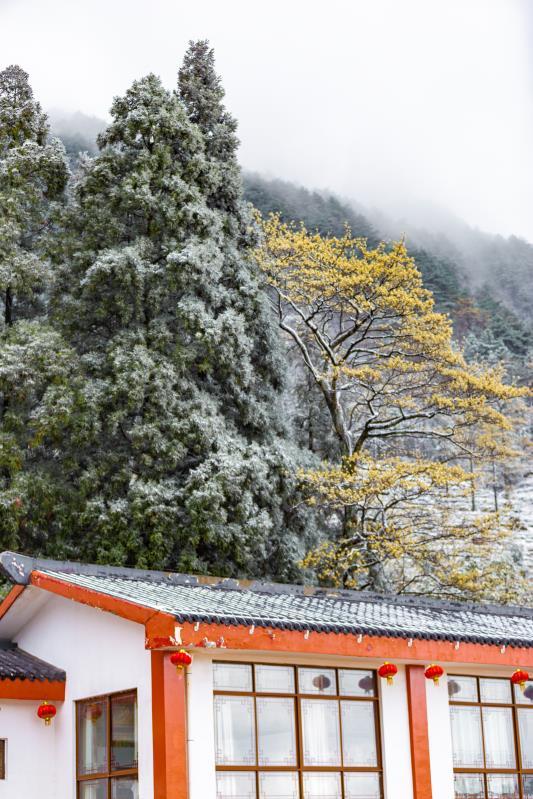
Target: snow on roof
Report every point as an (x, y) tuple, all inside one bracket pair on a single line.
[(228, 602)]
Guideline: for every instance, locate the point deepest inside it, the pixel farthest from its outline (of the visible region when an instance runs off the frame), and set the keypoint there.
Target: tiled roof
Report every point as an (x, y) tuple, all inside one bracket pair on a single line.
[(291, 607), (16, 664)]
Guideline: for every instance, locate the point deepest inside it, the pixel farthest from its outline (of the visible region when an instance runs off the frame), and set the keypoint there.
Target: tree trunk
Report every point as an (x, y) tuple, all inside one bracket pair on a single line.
[(495, 487), (8, 313), (472, 487)]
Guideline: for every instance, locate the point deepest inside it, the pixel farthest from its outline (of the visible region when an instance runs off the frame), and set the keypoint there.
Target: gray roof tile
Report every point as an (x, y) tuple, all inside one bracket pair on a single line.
[(320, 612), (290, 607), (16, 664)]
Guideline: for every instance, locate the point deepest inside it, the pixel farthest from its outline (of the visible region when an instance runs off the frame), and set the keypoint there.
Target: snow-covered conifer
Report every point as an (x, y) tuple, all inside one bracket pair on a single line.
[(36, 368), (181, 459)]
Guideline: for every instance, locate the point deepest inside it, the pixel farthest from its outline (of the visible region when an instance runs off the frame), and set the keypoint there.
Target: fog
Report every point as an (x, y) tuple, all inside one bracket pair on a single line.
[(419, 108)]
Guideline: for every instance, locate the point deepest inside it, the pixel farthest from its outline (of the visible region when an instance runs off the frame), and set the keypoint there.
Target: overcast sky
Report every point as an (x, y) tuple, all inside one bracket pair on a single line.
[(401, 104)]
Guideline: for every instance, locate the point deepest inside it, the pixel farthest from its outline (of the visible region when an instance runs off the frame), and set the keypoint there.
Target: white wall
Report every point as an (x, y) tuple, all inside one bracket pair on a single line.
[(201, 731), (396, 742), (31, 752), (101, 653), (440, 739)]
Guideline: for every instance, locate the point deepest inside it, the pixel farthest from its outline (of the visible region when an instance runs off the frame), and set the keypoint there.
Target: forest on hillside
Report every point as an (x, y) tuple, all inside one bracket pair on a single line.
[(229, 375)]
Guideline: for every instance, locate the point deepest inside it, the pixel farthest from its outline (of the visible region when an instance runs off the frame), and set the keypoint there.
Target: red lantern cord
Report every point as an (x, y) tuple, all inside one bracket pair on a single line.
[(46, 712), (520, 677), (434, 672), (388, 671), (181, 659)]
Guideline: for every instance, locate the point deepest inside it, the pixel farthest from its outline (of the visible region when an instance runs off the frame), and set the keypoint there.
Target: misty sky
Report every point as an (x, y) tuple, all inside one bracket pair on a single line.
[(404, 105)]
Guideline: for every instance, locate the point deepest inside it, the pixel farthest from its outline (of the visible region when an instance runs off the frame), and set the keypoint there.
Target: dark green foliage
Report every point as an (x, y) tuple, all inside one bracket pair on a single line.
[(21, 117), (181, 457), (322, 212), (443, 278), (502, 324), (37, 368)]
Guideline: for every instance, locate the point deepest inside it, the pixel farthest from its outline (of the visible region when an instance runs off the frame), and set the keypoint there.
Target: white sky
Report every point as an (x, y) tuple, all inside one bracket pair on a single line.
[(397, 103)]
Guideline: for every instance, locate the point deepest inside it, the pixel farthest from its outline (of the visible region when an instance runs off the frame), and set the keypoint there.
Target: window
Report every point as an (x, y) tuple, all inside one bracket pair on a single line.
[(492, 734), (106, 747), (288, 732)]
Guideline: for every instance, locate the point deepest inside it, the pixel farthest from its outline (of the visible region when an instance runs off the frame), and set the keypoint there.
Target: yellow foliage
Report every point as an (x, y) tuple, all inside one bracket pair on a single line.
[(393, 381)]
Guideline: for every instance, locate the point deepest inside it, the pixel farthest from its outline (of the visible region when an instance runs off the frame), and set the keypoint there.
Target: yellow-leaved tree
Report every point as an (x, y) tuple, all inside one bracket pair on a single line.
[(409, 414)]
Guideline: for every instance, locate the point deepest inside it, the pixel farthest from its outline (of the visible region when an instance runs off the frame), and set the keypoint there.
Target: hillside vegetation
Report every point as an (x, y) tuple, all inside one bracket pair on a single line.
[(244, 377)]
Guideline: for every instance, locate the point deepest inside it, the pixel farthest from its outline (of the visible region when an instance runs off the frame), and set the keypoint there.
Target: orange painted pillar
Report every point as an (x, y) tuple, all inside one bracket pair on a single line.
[(169, 721), (418, 730)]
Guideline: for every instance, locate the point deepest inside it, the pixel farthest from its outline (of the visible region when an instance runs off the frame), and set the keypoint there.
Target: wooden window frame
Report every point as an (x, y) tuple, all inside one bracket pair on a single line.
[(514, 706), (3, 759), (300, 769), (108, 775)]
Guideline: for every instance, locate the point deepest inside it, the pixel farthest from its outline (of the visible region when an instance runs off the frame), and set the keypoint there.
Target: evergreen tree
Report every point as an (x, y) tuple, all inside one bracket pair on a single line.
[(33, 173), (180, 460), (36, 368)]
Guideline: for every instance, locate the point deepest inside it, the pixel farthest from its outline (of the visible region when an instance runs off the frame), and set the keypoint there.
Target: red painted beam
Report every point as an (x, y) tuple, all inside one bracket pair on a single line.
[(169, 725), (418, 731), (375, 647), (8, 600), (40, 690)]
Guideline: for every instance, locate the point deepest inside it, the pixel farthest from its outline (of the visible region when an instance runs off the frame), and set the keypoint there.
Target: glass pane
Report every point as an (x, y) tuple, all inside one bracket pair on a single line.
[(92, 737), (276, 731), (234, 731), (469, 786), (279, 786), (124, 788), (358, 734), (93, 789), (495, 691), (124, 732), (462, 689), (466, 737), (274, 679), (362, 786), (524, 697), (502, 786), (320, 728), (499, 737), (322, 786), (235, 785), (528, 786), (232, 677), (525, 725), (317, 681), (356, 683)]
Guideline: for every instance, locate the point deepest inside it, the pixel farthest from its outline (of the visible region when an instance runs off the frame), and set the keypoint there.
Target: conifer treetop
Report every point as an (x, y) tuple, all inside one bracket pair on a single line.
[(21, 116)]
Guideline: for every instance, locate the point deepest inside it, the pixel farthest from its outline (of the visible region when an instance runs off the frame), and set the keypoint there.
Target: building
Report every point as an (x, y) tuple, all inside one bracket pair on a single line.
[(282, 700)]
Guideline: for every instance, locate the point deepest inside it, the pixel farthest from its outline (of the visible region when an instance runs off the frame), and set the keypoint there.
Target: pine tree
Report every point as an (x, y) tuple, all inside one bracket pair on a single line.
[(36, 368), (33, 173), (180, 460)]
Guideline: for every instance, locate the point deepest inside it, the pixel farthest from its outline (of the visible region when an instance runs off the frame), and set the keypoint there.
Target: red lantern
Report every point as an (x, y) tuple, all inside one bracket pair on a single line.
[(520, 677), (434, 673), (387, 671), (321, 682), (181, 659), (46, 712), (94, 712)]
